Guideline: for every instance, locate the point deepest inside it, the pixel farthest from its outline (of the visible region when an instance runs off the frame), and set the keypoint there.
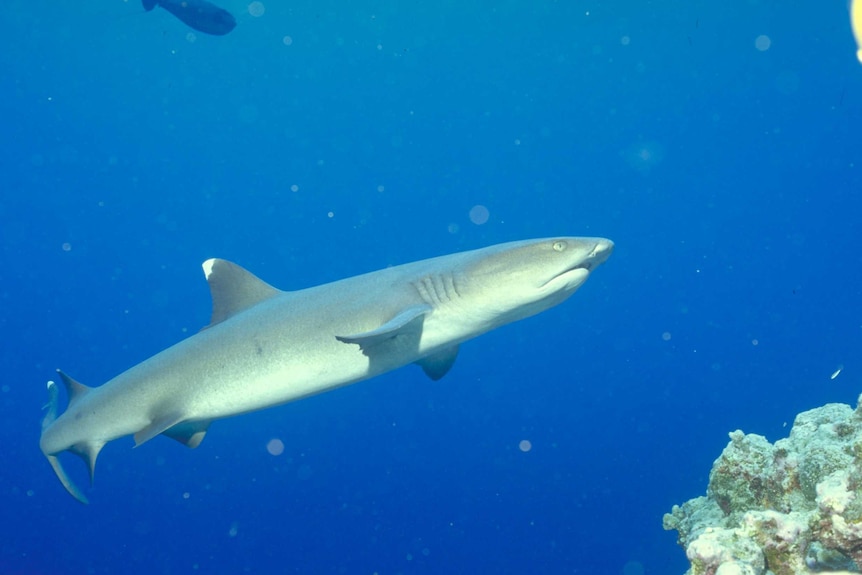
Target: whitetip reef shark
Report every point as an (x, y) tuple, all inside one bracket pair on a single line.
[(264, 347)]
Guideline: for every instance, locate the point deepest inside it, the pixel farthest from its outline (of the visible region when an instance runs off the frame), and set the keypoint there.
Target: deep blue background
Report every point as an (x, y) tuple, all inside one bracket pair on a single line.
[(728, 176)]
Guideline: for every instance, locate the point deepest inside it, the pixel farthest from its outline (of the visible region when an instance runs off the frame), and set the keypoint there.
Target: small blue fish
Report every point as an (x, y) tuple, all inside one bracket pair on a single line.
[(199, 14)]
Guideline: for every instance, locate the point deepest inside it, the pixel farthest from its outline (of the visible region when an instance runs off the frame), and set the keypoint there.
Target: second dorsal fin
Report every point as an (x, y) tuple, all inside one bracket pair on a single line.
[(233, 289)]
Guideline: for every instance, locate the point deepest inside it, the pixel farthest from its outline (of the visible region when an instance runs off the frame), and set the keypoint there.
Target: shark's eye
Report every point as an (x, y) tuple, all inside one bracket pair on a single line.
[(559, 246)]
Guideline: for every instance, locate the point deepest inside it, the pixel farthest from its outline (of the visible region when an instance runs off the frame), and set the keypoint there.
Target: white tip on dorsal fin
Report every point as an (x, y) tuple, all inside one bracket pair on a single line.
[(233, 289)]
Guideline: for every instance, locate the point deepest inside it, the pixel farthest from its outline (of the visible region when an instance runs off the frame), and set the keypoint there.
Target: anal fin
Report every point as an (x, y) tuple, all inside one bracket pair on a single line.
[(88, 451)]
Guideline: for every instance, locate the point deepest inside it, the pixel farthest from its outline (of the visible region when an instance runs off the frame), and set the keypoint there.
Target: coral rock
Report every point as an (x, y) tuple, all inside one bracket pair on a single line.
[(788, 508)]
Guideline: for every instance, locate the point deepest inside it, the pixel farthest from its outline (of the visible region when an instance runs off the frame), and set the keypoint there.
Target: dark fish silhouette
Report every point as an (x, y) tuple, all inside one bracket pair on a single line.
[(199, 14)]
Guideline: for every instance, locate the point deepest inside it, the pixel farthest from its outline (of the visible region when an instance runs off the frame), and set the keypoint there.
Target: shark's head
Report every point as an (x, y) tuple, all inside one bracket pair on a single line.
[(520, 279)]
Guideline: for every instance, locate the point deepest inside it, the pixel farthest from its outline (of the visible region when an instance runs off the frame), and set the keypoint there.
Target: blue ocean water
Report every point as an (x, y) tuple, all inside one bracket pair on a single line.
[(717, 145)]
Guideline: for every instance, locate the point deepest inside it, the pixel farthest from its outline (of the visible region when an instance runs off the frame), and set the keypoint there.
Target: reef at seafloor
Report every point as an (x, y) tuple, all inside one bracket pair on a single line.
[(789, 508)]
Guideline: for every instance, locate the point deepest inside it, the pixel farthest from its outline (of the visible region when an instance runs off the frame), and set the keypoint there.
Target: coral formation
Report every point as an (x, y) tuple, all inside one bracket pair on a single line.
[(785, 509)]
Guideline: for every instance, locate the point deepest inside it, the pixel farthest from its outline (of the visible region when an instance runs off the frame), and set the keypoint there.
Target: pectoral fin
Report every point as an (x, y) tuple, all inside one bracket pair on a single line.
[(157, 426), (189, 433), (437, 365), (408, 322)]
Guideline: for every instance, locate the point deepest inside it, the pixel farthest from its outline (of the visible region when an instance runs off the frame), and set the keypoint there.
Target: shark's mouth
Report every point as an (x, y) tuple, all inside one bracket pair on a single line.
[(570, 279)]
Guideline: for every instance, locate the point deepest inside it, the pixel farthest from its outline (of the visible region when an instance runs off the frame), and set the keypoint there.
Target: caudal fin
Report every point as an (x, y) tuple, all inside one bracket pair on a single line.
[(52, 406)]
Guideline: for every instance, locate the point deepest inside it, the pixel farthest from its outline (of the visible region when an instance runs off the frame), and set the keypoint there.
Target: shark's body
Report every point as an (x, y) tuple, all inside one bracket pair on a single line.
[(265, 347)]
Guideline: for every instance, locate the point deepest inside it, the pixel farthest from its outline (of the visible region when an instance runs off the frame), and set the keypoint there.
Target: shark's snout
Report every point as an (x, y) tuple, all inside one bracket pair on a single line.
[(603, 250), (598, 255), (586, 254)]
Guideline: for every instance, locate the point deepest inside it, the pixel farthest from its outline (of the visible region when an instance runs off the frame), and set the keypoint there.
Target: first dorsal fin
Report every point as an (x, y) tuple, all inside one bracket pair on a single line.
[(233, 289)]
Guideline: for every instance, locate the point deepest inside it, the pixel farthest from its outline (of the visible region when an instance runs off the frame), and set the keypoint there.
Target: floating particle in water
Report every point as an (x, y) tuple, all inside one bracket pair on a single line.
[(479, 214), (525, 445), (275, 447), (643, 156), (762, 42), (256, 9)]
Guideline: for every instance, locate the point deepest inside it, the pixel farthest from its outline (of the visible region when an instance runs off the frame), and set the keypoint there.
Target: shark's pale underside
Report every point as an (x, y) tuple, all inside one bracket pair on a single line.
[(265, 347)]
